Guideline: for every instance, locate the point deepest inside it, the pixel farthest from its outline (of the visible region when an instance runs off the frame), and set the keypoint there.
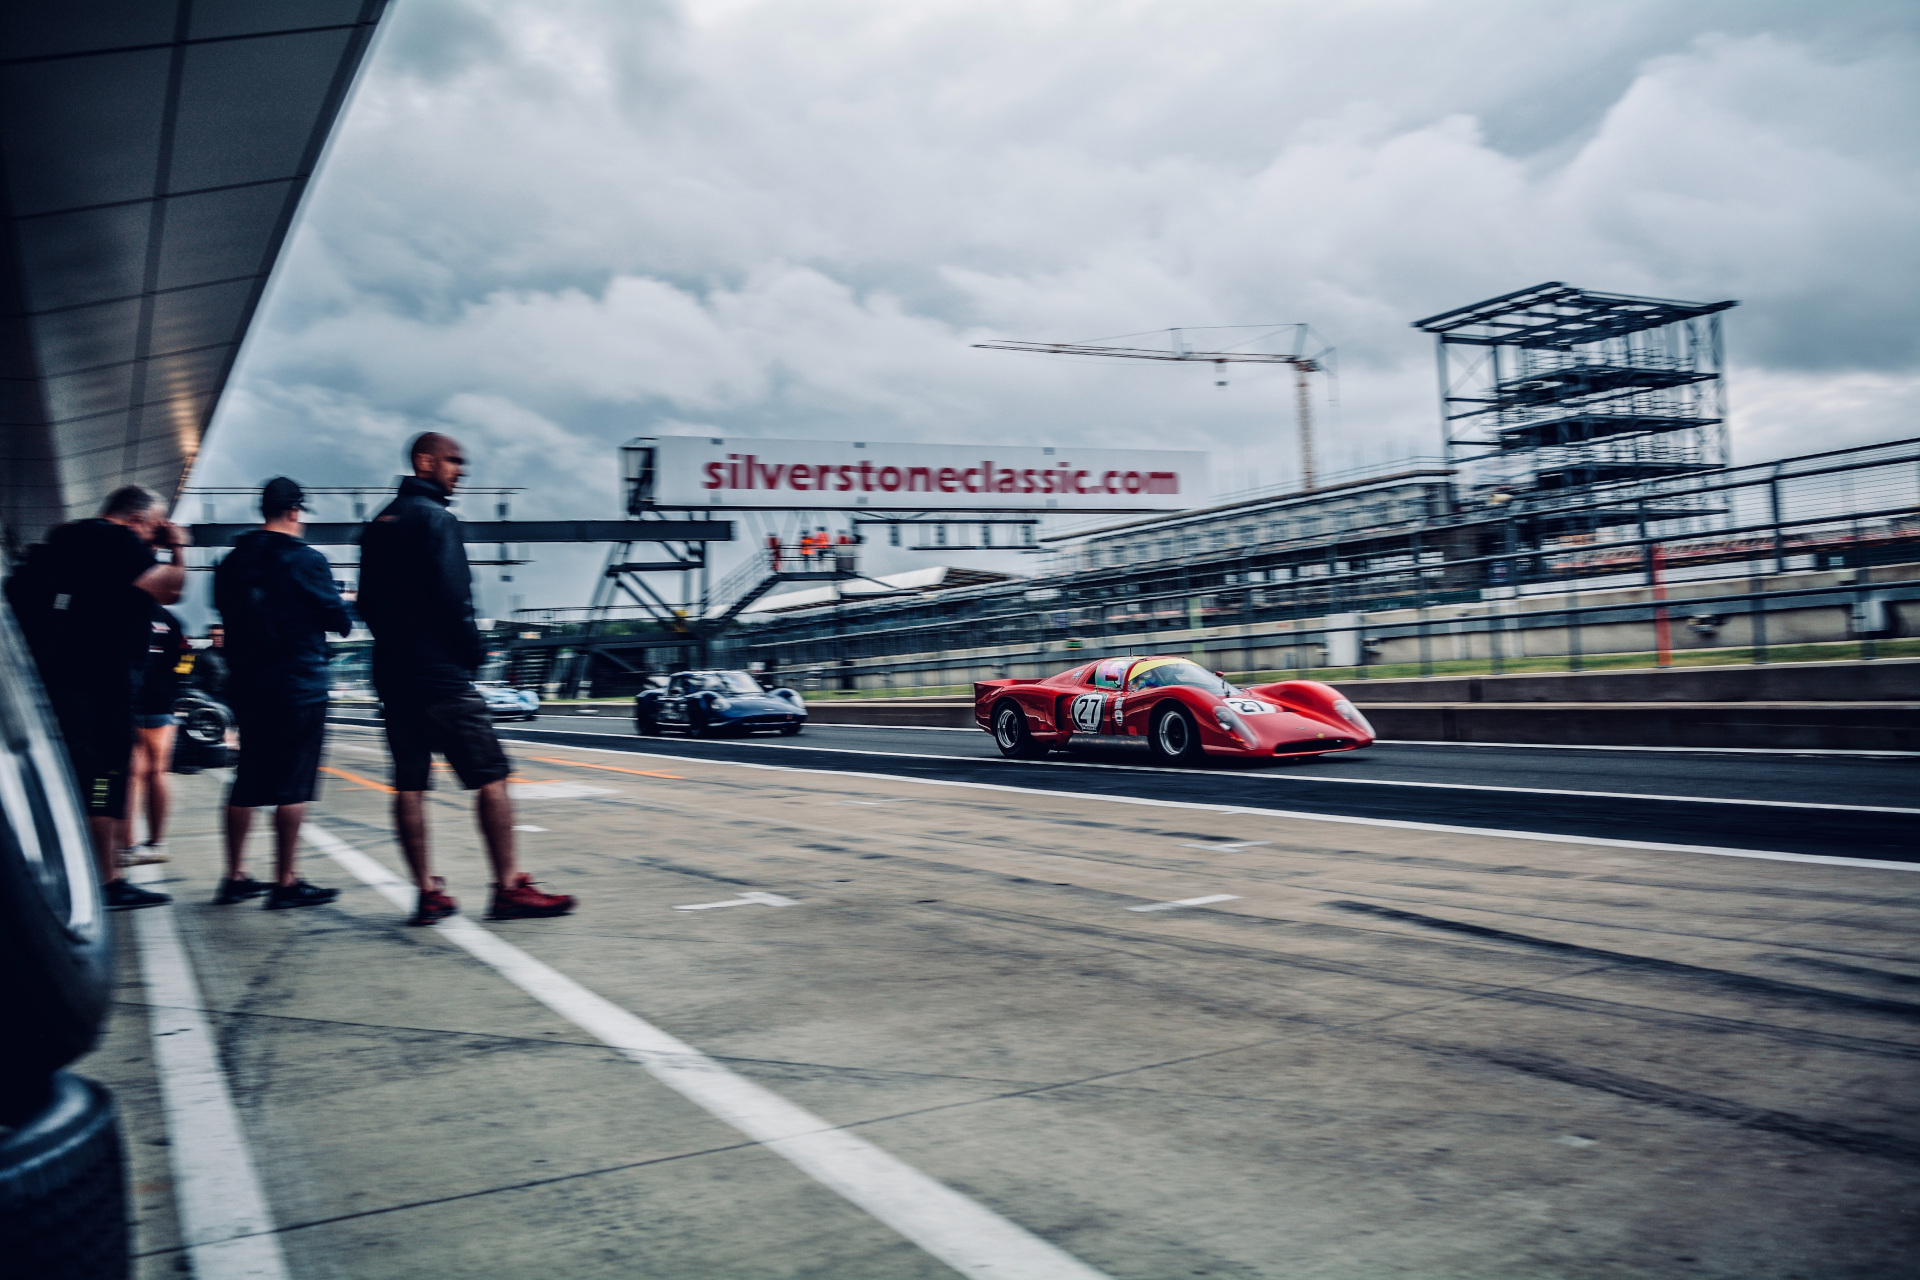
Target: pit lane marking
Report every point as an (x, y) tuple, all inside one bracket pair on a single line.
[(967, 1236), (226, 1225), (1292, 778), (1298, 815), (1189, 902), (751, 899), (356, 779), (1231, 847), (582, 764)]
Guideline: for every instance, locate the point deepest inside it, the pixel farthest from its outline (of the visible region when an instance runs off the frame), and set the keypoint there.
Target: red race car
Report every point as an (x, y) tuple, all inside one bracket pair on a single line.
[(1184, 711)]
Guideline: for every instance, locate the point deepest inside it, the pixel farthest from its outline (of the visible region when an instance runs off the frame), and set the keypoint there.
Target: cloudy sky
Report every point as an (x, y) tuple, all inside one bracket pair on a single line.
[(551, 225)]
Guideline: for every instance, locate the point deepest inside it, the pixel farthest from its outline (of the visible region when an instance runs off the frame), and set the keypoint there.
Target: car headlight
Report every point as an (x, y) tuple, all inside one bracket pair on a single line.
[(718, 703), (1351, 714), (1233, 724)]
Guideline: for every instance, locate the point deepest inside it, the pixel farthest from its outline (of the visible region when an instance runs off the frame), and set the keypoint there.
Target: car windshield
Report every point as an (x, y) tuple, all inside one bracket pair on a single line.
[(730, 682), (1158, 673)]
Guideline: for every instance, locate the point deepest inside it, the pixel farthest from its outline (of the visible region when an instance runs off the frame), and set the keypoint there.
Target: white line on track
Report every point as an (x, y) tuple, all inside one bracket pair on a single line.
[(1188, 902), (968, 1237), (754, 899), (1402, 824), (224, 1220), (1358, 782)]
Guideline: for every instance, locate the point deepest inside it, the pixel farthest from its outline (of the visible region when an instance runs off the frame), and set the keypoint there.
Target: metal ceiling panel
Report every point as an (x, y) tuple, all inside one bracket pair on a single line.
[(152, 158)]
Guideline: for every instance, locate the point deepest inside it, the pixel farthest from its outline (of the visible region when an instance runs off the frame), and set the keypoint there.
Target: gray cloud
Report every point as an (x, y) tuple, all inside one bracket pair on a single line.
[(552, 226)]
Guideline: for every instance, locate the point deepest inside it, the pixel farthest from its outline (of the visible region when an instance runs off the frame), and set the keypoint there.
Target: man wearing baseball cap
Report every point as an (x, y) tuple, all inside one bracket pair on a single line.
[(277, 597)]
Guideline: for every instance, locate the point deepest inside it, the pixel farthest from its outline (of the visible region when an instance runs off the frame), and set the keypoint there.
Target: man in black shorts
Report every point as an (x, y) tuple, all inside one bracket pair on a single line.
[(104, 577), (416, 595), (277, 596)]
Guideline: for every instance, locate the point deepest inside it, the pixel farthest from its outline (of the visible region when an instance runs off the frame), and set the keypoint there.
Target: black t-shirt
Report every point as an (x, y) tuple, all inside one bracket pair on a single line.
[(165, 643), (100, 617)]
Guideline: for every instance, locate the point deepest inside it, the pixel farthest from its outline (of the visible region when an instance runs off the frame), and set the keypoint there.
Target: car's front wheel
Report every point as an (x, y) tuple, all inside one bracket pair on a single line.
[(788, 730), (1175, 738), (1011, 735)]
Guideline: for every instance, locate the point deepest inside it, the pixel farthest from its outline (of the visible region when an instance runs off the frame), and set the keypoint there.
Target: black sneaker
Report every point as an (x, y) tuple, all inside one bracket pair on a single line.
[(299, 894), (122, 896), (232, 891)]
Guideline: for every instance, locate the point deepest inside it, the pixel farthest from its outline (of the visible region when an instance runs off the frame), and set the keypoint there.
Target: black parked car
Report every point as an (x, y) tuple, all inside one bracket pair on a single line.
[(707, 702), (62, 1177)]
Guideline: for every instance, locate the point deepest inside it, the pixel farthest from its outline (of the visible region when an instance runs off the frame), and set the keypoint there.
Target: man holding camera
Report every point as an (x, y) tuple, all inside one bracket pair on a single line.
[(100, 579)]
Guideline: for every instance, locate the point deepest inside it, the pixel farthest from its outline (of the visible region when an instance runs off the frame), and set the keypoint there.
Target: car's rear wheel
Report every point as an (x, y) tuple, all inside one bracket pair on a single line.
[(63, 1208), (1011, 735), (1175, 738)]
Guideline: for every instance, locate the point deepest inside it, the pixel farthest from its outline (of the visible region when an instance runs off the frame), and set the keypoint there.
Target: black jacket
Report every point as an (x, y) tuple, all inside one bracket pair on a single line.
[(277, 597), (416, 595)]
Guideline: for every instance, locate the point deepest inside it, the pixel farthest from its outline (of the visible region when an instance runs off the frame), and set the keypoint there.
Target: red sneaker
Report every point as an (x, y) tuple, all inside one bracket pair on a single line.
[(521, 900), (435, 905)]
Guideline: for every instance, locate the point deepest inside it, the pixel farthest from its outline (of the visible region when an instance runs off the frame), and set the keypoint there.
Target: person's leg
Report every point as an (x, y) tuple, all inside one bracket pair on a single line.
[(286, 841), (239, 823), (495, 812), (410, 825), (155, 754), (136, 785), (106, 846)]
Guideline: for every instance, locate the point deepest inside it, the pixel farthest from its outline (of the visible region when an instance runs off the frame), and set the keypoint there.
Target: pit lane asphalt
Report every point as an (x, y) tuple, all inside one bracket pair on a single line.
[(1640, 803)]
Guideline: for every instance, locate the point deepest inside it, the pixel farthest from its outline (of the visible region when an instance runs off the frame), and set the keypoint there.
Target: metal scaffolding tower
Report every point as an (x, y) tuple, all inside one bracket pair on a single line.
[(1555, 387)]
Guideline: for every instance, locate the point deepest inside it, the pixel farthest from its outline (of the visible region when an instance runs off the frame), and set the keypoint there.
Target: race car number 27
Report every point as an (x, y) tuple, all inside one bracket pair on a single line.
[(1086, 712)]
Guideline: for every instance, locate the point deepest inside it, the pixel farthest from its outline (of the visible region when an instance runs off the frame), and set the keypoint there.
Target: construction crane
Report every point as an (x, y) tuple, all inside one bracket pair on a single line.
[(1177, 350)]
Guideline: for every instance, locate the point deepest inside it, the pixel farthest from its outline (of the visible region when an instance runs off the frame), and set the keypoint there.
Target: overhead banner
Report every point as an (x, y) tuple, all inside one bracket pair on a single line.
[(768, 475)]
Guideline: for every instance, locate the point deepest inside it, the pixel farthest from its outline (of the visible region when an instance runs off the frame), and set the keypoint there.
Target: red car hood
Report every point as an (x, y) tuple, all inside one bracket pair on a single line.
[(1276, 728)]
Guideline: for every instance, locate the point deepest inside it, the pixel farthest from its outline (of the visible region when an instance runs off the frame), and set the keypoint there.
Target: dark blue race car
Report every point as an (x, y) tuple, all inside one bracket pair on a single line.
[(714, 702)]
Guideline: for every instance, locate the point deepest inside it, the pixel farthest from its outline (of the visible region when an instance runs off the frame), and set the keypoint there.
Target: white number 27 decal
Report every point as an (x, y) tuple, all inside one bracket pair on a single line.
[(1086, 712)]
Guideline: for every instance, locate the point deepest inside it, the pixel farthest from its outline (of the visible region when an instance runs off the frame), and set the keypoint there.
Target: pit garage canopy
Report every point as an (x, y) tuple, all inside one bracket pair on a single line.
[(152, 157)]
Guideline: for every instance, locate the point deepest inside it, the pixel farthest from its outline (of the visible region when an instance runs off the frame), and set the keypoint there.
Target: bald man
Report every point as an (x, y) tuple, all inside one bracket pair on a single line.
[(416, 595)]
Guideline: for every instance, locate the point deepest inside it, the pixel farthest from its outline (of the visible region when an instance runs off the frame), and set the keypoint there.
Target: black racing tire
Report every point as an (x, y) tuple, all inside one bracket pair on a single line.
[(697, 726), (56, 950), (1175, 738), (789, 730), (63, 1197), (1011, 735), (203, 721)]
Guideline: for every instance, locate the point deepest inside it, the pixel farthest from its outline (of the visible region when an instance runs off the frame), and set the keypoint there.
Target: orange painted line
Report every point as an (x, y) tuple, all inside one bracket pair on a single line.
[(368, 783), (610, 768)]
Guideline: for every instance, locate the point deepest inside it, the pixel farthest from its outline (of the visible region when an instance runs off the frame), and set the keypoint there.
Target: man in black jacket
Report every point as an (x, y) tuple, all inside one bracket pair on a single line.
[(277, 597), (416, 595)]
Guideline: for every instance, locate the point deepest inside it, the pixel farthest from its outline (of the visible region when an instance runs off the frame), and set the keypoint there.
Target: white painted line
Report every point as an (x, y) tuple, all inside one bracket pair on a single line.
[(527, 826), (225, 1224), (1313, 778), (753, 899), (968, 1237), (1401, 824), (1234, 847), (1706, 751), (1189, 902)]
